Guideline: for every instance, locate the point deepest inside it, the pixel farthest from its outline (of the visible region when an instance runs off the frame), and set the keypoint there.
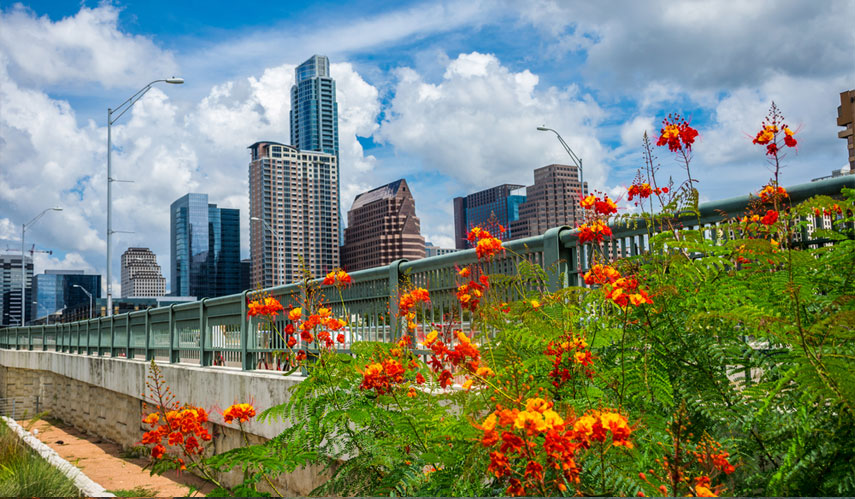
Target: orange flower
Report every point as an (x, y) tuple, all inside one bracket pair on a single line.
[(588, 202), (158, 451), (151, 419), (676, 134), (241, 412), (267, 306), (594, 232), (343, 277), (295, 314), (601, 274), (770, 218), (464, 272)]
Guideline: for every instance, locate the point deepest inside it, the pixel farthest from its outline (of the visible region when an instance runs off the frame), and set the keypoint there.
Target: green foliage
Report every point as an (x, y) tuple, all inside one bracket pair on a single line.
[(25, 474)]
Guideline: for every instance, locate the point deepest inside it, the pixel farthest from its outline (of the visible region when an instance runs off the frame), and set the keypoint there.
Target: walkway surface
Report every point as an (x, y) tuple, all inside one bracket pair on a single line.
[(100, 460)]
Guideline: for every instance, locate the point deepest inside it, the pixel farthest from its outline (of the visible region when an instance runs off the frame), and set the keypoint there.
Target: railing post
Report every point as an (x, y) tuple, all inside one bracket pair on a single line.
[(174, 354), (112, 336), (128, 336), (148, 354), (556, 258), (247, 357), (205, 357), (394, 283), (29, 338), (44, 337)]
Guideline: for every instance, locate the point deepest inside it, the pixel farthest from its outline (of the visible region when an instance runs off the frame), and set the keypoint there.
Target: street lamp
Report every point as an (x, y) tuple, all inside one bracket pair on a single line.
[(576, 159), (275, 237), (87, 294), (23, 261), (121, 110)]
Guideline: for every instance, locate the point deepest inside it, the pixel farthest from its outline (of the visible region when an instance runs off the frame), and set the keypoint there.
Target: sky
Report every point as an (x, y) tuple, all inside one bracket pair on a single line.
[(447, 94)]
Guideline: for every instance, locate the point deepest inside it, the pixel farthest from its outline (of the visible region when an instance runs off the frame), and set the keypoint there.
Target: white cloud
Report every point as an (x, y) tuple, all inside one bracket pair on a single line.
[(85, 48), (478, 125)]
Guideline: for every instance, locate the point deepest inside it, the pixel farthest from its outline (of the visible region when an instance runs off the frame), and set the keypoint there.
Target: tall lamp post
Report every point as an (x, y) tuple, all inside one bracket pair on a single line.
[(87, 294), (119, 111), (23, 260), (576, 159), (276, 237)]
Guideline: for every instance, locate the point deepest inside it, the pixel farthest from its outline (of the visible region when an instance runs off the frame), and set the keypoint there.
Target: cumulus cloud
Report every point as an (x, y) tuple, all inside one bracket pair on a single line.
[(85, 48), (478, 124)]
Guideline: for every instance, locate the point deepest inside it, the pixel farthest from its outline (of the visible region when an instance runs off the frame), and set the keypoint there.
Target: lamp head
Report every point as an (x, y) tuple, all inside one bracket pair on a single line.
[(57, 208), (254, 219), (175, 80), (543, 129)]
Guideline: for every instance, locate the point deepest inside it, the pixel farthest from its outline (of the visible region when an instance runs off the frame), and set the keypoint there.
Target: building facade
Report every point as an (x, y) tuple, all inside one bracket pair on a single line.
[(382, 227), (314, 111), (846, 118), (141, 275), (431, 250), (552, 201), (57, 289), (10, 289), (295, 193), (497, 205), (204, 248)]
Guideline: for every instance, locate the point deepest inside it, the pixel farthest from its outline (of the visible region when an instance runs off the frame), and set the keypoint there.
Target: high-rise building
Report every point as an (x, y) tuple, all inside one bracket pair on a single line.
[(496, 205), (846, 118), (57, 289), (141, 274), (204, 248), (382, 227), (295, 194), (431, 250), (10, 289), (552, 201), (314, 111), (245, 270)]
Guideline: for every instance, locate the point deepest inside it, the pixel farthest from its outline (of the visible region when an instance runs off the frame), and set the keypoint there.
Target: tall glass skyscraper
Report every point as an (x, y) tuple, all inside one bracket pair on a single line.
[(55, 290), (314, 111), (10, 289), (205, 248)]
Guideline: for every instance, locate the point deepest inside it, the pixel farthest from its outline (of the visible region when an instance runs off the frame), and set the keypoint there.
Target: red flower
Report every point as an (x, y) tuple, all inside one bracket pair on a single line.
[(676, 134), (340, 337), (301, 355), (267, 306), (241, 412), (770, 217), (158, 451)]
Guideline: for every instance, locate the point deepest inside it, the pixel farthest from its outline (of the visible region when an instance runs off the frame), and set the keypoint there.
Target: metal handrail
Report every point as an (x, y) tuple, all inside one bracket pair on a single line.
[(217, 331)]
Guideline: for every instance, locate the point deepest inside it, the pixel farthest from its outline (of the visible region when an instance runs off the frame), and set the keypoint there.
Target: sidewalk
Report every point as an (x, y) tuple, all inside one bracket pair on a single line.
[(100, 461)]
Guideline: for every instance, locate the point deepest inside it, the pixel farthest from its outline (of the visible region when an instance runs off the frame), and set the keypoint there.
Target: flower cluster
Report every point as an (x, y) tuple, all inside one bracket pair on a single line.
[(770, 193), (712, 457), (181, 428), (768, 136), (604, 206), (407, 303), (835, 209), (486, 246), (526, 441), (469, 294), (644, 191), (444, 359), (339, 278), (595, 426), (570, 354), (594, 231), (769, 218), (676, 134), (384, 374), (318, 327), (265, 306), (623, 291), (241, 412)]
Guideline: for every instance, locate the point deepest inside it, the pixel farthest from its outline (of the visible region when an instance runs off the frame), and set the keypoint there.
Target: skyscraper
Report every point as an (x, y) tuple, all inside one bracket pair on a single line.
[(55, 290), (494, 205), (314, 111), (141, 274), (382, 227), (10, 289), (552, 201), (204, 248), (295, 193), (846, 118)]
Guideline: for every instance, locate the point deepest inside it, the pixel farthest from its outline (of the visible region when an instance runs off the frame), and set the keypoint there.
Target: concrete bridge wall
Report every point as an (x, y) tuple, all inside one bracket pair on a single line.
[(103, 396)]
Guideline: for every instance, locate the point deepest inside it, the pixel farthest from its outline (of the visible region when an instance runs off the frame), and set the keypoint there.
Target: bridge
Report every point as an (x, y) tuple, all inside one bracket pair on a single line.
[(91, 373)]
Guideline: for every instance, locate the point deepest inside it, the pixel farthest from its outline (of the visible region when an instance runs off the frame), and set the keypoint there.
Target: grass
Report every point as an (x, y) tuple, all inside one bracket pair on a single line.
[(24, 474), (138, 491)]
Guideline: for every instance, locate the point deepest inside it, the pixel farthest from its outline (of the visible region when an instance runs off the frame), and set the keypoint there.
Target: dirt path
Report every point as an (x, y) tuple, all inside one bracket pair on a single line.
[(100, 461)]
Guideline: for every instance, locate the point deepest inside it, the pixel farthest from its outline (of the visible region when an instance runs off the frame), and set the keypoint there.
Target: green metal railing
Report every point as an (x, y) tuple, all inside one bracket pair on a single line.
[(217, 331)]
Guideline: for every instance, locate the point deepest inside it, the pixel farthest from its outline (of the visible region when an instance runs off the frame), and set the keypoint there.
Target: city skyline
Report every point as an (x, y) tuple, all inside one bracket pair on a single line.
[(445, 94)]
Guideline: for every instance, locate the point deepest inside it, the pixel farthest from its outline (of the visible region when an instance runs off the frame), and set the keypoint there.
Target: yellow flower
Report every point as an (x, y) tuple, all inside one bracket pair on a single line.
[(552, 419), (535, 304), (490, 422), (484, 371), (467, 385), (431, 337), (536, 405), (531, 419), (295, 314)]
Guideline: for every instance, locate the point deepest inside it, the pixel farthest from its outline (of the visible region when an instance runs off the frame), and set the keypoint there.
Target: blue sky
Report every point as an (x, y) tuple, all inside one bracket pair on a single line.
[(446, 93)]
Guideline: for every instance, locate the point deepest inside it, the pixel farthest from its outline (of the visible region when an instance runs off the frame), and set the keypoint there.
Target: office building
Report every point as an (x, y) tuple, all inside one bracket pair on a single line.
[(245, 271), (295, 195), (204, 248), (314, 111), (382, 227), (431, 250), (58, 289), (141, 275), (552, 201), (846, 118), (485, 209), (10, 289)]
